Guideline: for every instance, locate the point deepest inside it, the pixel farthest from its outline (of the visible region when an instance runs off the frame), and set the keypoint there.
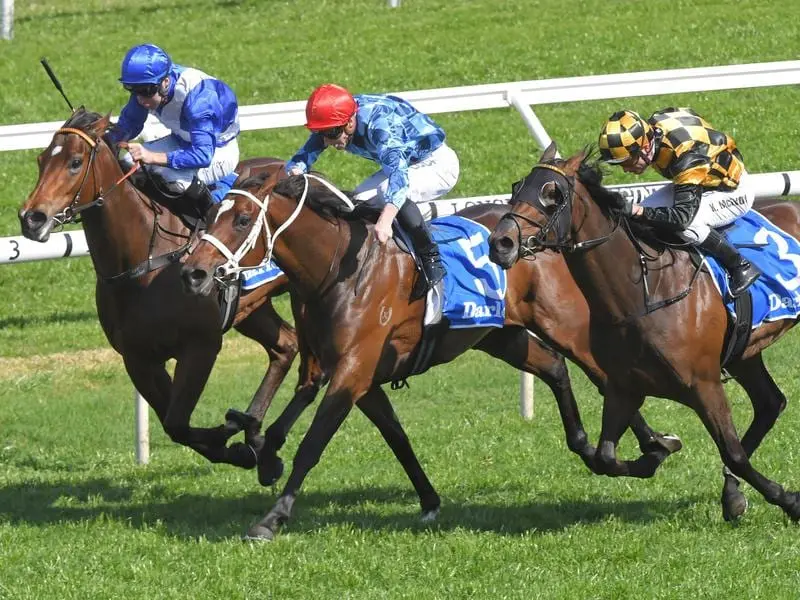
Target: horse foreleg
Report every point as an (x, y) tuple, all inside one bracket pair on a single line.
[(311, 378), (279, 340), (709, 401), (378, 409), (619, 407), (768, 402), (192, 369), (330, 415)]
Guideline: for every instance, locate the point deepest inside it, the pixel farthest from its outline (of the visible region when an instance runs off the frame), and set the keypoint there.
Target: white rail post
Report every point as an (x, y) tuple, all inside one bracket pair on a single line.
[(394, 3), (142, 429), (541, 136), (8, 19)]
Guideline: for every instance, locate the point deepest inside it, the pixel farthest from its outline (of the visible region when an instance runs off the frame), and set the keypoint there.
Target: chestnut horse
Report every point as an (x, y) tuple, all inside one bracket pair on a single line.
[(356, 299), (670, 346), (135, 246)]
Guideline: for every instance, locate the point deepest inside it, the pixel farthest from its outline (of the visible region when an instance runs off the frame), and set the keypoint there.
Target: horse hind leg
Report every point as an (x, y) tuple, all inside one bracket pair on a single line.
[(378, 409), (711, 405), (768, 402)]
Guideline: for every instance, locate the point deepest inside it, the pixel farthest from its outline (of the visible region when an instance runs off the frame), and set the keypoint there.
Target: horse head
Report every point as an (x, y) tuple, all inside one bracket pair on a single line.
[(69, 174), (244, 227), (549, 206)]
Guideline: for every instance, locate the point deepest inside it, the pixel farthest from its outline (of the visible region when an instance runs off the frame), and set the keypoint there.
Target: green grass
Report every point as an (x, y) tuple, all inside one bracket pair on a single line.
[(521, 516)]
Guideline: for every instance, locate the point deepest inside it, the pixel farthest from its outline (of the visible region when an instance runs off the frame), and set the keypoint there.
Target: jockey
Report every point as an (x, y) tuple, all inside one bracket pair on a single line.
[(201, 112), (416, 164), (709, 186)]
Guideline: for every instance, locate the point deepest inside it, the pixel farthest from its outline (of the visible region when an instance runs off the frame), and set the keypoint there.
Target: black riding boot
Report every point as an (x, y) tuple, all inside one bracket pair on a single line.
[(410, 219), (200, 195), (742, 272)]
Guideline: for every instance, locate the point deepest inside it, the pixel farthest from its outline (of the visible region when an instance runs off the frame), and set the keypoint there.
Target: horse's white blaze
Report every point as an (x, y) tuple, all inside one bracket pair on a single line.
[(56, 150)]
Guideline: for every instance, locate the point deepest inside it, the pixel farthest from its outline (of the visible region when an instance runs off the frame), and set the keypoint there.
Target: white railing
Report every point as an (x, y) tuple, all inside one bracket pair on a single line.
[(520, 95)]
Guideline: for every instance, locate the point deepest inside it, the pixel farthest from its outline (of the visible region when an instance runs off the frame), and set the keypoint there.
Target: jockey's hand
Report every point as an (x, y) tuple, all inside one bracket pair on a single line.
[(296, 171), (383, 228), (629, 209), (141, 153)]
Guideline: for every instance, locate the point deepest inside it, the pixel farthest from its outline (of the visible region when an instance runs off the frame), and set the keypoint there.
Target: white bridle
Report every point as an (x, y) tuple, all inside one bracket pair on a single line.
[(231, 267)]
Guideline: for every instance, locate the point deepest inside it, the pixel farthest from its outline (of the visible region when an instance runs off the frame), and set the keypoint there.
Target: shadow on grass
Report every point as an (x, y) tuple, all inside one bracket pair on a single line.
[(149, 502), (49, 319)]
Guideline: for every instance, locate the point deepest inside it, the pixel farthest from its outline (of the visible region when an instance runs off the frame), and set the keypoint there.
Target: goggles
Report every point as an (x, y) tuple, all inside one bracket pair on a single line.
[(333, 132), (146, 90)]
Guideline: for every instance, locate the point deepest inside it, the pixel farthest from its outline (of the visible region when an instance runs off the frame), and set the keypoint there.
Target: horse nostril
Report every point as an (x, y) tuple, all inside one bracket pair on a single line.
[(505, 243), (34, 219)]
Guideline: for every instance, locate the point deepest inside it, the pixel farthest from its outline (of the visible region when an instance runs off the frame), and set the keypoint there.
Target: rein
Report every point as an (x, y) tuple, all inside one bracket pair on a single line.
[(231, 269), (73, 210)]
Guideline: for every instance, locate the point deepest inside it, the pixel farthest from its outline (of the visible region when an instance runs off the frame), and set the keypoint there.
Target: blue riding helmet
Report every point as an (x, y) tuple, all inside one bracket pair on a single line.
[(143, 64)]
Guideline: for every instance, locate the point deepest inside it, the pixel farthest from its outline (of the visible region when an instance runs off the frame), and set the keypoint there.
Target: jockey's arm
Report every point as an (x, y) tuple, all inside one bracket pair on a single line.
[(130, 123), (307, 155), (678, 216)]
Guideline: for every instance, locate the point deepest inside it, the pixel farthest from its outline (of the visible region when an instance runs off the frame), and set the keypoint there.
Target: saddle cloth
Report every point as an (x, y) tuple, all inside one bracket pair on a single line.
[(258, 276), (474, 288), (776, 294)]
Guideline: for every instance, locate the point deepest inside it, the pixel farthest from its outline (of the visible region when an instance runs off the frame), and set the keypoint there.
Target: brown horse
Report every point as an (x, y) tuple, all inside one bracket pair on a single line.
[(135, 245), (657, 324), (356, 299)]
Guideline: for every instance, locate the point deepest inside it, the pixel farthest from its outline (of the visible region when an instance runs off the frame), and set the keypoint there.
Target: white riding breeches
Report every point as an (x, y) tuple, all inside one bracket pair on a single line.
[(717, 207), (223, 163), (428, 179)]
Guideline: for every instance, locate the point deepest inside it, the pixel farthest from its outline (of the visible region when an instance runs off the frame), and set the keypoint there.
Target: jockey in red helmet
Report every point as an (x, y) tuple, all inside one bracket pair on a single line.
[(415, 163)]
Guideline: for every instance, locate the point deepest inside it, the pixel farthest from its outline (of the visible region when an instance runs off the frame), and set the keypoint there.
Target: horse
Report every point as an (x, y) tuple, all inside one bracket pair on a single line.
[(658, 323), (135, 245), (356, 297)]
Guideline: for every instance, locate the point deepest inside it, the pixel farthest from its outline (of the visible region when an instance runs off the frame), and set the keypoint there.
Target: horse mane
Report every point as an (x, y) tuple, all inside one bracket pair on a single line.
[(319, 198), (590, 174)]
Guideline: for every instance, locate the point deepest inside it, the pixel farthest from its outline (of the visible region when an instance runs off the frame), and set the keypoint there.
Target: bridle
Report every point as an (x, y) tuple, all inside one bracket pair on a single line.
[(71, 213), (558, 223)]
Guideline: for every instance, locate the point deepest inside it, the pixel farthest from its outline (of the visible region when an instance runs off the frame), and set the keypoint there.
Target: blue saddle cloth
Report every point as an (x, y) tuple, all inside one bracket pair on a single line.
[(475, 287), (776, 294), (222, 186), (257, 276)]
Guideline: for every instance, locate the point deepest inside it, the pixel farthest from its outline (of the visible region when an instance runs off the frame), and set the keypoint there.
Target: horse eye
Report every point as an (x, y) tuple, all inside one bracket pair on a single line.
[(75, 164), (242, 221)]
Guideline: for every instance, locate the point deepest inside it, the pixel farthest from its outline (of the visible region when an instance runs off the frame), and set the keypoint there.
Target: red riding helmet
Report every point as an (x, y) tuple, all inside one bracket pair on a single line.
[(329, 105)]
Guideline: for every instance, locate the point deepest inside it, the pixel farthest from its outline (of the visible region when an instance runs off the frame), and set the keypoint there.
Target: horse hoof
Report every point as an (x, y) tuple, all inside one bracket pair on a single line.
[(734, 505), (258, 533), (792, 508), (270, 469), (666, 441), (242, 455), (429, 516)]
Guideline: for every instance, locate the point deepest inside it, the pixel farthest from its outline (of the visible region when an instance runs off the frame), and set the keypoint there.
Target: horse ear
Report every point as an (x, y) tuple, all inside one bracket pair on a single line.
[(550, 153), (574, 162), (101, 125)]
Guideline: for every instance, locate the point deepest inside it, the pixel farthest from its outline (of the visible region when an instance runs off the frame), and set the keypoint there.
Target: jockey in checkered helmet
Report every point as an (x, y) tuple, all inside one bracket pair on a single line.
[(709, 185)]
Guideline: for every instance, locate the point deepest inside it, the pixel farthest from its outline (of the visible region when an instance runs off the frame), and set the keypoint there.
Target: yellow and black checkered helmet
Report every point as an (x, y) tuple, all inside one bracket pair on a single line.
[(623, 136)]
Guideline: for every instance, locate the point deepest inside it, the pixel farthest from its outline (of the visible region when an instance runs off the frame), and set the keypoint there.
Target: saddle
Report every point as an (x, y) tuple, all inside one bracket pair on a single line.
[(739, 325)]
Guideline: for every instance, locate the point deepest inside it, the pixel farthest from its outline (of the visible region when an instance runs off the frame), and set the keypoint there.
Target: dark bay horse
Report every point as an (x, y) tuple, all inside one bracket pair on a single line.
[(673, 351), (356, 301), (142, 308)]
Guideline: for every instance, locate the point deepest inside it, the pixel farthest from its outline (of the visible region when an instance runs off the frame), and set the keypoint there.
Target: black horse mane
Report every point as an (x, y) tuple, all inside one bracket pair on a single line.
[(590, 174), (319, 198)]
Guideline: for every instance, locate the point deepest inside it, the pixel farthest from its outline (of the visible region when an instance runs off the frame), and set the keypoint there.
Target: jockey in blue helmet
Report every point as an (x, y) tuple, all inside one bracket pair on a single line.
[(201, 112)]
